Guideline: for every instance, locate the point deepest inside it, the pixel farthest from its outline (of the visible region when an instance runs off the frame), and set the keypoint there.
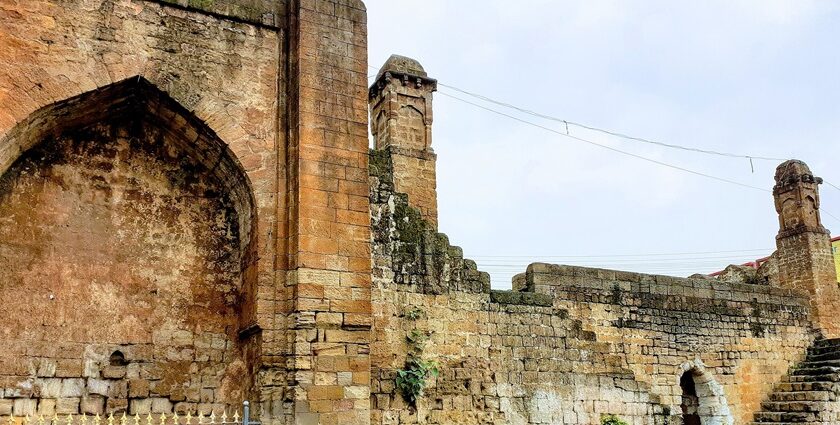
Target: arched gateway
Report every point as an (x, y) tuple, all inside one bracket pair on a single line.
[(702, 400), (126, 241)]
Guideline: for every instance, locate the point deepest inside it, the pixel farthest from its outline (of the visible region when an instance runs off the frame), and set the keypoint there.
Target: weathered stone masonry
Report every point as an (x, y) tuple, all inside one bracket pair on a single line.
[(570, 344), (190, 216), (206, 201)]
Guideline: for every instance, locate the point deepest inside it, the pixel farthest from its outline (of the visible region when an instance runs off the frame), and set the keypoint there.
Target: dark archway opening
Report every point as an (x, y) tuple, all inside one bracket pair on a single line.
[(690, 402)]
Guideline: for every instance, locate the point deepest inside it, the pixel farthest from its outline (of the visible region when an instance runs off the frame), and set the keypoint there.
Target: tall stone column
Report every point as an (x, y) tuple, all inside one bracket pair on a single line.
[(803, 244), (401, 124), (328, 285)]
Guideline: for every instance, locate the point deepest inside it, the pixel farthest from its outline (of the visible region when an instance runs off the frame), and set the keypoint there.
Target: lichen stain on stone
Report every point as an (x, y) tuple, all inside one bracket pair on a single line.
[(112, 235)]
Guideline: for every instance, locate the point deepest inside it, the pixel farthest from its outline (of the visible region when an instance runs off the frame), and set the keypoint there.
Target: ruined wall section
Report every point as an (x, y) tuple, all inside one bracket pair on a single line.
[(122, 256), (227, 76), (401, 118), (745, 336), (505, 357)]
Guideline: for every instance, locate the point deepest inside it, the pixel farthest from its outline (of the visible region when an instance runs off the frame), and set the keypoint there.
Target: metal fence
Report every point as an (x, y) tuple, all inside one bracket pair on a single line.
[(223, 418)]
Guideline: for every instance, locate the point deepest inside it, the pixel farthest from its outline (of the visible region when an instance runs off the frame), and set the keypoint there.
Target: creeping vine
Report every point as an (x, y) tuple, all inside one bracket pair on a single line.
[(413, 379), (612, 420)]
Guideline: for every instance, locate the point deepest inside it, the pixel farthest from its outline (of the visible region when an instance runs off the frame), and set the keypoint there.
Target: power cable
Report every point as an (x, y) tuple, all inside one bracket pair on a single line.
[(609, 132), (580, 139), (830, 184)]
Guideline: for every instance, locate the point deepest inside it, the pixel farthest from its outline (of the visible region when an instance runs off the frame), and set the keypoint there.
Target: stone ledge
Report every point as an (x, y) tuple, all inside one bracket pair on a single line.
[(523, 298), (261, 13)]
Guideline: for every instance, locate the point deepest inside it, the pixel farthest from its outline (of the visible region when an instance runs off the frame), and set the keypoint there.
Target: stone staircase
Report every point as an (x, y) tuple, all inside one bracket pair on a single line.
[(810, 394)]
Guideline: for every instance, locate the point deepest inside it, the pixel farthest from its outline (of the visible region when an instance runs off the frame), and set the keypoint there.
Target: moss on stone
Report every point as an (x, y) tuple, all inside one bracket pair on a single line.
[(379, 163), (410, 225), (201, 4)]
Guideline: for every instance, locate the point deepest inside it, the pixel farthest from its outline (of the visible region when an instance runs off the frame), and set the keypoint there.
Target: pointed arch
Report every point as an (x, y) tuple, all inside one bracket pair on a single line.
[(702, 397), (140, 223), (138, 97)]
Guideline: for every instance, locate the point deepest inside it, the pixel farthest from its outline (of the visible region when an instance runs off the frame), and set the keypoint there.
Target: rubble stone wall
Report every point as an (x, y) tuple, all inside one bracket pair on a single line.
[(743, 336), (569, 344), (281, 87), (122, 275)]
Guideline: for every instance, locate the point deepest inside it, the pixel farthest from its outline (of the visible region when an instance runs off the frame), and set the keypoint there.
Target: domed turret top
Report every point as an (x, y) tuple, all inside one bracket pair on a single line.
[(402, 65)]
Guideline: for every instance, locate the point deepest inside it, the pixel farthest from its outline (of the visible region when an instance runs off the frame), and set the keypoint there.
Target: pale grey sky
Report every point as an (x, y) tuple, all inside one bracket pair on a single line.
[(755, 77)]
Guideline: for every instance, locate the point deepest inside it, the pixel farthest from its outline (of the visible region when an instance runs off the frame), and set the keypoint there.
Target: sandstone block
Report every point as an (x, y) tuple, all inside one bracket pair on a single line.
[(6, 406), (98, 386), (118, 389), (25, 406), (74, 387), (113, 372), (344, 378), (116, 405), (90, 368), (67, 406), (69, 368), (92, 405), (161, 405), (46, 406), (329, 319), (46, 368), (357, 392), (50, 388), (138, 388), (325, 392), (140, 406)]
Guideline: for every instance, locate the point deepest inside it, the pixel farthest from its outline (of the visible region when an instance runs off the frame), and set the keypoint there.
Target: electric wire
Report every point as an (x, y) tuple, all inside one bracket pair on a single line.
[(604, 131), (830, 184), (644, 158), (580, 139), (567, 134)]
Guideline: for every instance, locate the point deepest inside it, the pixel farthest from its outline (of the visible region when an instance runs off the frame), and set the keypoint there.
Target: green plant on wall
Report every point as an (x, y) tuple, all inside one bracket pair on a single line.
[(612, 420), (413, 314), (413, 379)]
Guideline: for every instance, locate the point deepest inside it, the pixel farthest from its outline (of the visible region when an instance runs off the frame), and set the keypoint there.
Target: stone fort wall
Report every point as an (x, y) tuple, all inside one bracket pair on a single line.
[(569, 344), (184, 190), (190, 216)]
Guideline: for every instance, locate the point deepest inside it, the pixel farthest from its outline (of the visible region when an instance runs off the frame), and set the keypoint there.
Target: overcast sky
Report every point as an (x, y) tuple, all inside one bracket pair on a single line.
[(760, 78)]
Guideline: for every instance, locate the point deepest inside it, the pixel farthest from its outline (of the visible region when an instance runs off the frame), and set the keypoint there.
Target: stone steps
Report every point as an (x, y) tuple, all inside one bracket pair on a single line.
[(809, 394)]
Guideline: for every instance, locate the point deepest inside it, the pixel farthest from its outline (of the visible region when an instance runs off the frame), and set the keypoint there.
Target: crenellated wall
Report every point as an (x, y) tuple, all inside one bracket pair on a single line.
[(745, 336), (570, 344), (190, 216)]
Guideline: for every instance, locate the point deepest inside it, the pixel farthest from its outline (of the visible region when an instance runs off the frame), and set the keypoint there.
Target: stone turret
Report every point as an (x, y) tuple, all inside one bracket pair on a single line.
[(803, 245), (401, 123)]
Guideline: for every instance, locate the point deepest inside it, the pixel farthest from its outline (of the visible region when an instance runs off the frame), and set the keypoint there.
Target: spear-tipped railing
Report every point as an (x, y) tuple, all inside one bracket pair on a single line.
[(137, 419)]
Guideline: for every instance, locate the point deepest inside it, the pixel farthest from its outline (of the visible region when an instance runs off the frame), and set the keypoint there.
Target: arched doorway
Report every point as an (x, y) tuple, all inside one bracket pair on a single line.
[(689, 404), (126, 242), (702, 400)]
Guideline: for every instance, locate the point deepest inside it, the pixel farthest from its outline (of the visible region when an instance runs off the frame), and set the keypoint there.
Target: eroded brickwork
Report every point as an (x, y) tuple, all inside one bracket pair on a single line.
[(745, 336), (190, 217), (804, 257), (401, 124), (122, 277), (569, 344), (280, 86), (504, 356)]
